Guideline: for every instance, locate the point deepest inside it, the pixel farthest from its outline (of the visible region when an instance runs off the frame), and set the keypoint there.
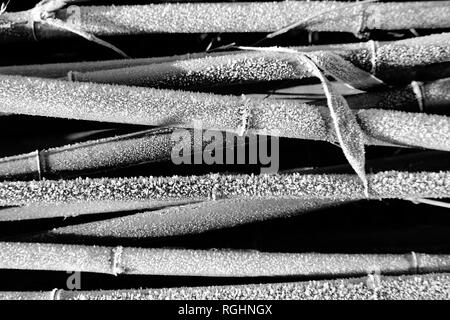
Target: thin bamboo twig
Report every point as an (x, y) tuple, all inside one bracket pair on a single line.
[(390, 184), (210, 263), (60, 70), (238, 17), (431, 202), (393, 62), (123, 104), (370, 287), (423, 160), (90, 37), (186, 219)]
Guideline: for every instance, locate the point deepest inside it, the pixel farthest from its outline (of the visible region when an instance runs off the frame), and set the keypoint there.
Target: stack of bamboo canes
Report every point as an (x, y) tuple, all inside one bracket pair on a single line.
[(400, 103)]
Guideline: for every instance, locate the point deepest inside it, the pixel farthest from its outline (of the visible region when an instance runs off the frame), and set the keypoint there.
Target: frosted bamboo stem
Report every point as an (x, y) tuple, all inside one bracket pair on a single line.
[(423, 160), (389, 184), (234, 17), (421, 58), (93, 156), (60, 70), (147, 106), (370, 287), (209, 263)]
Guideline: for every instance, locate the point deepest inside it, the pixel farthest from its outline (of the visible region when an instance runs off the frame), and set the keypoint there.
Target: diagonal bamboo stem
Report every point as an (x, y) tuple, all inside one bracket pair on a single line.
[(92, 156), (417, 161), (60, 70), (187, 219)]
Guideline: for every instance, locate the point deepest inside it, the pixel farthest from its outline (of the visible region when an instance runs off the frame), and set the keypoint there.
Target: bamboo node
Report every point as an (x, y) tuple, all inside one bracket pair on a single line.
[(244, 113), (116, 260), (71, 76), (215, 192), (361, 33), (373, 282), (39, 167), (414, 262), (417, 89), (373, 56), (55, 294)]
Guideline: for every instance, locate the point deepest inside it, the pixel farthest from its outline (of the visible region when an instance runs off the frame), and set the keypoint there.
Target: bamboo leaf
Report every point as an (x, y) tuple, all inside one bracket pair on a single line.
[(348, 132)]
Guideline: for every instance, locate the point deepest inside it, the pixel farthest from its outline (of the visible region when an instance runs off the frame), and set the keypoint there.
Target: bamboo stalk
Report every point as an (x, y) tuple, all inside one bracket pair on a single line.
[(156, 145), (88, 157), (234, 17), (390, 184), (101, 155), (418, 97), (209, 263), (186, 219), (190, 218), (107, 154), (60, 70), (370, 287), (123, 104), (421, 58)]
